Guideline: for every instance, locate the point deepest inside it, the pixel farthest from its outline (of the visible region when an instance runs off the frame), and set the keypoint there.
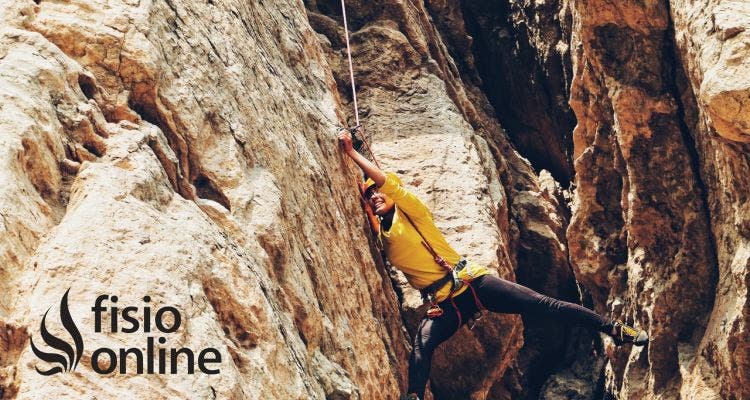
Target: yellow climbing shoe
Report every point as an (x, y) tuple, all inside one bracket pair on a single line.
[(622, 334)]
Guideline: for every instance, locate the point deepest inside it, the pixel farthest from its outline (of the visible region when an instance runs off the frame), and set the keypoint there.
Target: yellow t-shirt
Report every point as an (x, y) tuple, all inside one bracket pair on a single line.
[(403, 244)]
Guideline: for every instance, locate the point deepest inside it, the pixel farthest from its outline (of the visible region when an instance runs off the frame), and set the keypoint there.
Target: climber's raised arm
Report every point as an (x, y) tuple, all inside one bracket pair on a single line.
[(390, 188), (367, 166)]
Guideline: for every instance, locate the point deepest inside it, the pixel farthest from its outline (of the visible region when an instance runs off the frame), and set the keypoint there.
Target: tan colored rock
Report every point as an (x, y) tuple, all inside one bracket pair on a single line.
[(189, 114), (715, 85), (657, 200), (713, 36), (409, 103), (199, 148), (416, 104), (185, 151)]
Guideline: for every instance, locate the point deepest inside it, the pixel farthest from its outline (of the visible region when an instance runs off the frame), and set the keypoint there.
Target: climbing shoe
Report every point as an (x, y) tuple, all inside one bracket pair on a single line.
[(622, 334), (410, 396)]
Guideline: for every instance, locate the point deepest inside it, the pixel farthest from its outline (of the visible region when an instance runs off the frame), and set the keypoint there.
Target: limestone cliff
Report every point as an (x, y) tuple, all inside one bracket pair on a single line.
[(662, 176), (185, 151)]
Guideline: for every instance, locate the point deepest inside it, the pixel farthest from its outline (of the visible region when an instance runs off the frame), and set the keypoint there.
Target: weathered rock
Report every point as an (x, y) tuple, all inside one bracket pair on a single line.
[(402, 94), (201, 131), (413, 107), (538, 211), (522, 60), (712, 44), (651, 218), (713, 38)]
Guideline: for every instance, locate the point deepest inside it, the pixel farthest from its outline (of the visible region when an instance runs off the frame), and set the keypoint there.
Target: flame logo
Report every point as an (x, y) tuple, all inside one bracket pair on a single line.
[(70, 363)]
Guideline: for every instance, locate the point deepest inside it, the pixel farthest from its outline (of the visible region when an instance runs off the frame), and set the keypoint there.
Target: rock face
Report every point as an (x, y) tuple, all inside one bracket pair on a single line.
[(421, 108), (169, 149), (660, 201), (523, 62), (185, 151)]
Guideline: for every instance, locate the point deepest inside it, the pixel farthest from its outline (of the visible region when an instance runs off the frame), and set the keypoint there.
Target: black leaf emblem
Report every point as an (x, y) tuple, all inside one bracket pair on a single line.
[(66, 363)]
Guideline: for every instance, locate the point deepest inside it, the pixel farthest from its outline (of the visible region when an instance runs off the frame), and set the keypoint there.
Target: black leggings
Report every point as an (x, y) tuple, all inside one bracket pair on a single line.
[(497, 295)]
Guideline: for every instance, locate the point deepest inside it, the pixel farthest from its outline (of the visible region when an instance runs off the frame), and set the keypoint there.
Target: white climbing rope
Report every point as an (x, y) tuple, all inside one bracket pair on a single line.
[(351, 68)]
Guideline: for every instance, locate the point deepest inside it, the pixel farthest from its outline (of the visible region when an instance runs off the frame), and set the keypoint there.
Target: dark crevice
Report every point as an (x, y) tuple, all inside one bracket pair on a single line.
[(356, 16), (148, 112), (169, 167), (206, 189), (93, 149), (529, 93), (545, 340), (88, 86), (331, 8), (186, 176)]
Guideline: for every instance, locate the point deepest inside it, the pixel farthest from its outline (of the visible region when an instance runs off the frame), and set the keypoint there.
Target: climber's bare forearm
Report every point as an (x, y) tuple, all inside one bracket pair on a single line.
[(368, 167)]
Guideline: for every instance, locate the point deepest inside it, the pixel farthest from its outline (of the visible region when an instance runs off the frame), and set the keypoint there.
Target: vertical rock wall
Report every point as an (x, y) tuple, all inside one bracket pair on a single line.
[(712, 44), (659, 204), (184, 151), (418, 120), (428, 119), (523, 61)]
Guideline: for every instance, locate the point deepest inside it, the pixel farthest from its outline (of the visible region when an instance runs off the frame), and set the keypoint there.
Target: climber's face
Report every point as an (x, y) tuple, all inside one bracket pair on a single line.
[(380, 203)]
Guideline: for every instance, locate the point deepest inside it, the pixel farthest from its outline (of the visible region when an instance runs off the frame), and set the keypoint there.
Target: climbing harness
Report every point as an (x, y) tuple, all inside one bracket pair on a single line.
[(429, 293)]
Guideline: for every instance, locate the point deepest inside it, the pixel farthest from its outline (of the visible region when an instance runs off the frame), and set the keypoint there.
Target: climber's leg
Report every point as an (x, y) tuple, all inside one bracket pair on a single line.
[(500, 295), (430, 333)]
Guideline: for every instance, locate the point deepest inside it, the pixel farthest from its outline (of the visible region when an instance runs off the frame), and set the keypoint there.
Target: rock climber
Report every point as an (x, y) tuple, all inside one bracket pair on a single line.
[(455, 289)]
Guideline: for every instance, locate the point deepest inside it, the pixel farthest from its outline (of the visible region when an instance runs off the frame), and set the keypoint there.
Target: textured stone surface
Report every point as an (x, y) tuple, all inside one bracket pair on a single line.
[(401, 114), (659, 201), (414, 108), (713, 37), (523, 65), (169, 148), (715, 60)]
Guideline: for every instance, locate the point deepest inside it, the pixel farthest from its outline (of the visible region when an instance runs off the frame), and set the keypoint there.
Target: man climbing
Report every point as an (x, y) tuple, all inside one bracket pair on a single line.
[(456, 290)]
